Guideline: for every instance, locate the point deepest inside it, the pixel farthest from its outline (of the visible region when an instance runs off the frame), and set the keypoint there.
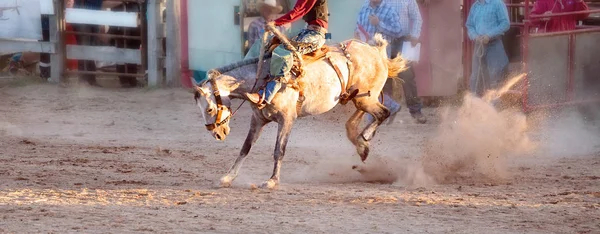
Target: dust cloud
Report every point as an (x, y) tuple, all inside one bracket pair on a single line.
[(570, 133), (475, 141)]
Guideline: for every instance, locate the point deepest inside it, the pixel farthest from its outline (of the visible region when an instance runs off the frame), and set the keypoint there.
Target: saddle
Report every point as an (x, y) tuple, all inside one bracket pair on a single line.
[(306, 58), (317, 55)]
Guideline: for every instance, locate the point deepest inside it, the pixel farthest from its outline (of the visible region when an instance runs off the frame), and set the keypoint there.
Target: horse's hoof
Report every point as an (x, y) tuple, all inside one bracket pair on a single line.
[(358, 169), (362, 148), (364, 154), (270, 184), (226, 181)]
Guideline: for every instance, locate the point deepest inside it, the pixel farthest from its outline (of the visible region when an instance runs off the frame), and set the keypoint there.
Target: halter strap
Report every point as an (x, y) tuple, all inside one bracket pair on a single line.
[(220, 107)]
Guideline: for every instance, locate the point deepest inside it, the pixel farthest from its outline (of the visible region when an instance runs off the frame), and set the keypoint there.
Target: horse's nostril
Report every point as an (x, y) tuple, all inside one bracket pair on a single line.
[(218, 136)]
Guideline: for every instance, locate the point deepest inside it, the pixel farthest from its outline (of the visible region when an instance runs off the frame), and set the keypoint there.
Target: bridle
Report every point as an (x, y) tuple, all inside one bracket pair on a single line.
[(212, 74), (220, 107)]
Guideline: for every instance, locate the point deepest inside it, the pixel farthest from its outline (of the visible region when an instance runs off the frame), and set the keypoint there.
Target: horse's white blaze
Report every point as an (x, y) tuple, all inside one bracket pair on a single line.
[(202, 104), (207, 101)]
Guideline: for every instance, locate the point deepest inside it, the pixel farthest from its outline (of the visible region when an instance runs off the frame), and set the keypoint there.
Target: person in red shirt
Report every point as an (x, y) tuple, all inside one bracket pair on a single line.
[(558, 23), (310, 39)]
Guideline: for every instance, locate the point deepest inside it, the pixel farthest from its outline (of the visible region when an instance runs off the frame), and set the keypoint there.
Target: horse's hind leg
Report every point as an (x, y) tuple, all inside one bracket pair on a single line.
[(256, 126), (377, 110), (352, 126)]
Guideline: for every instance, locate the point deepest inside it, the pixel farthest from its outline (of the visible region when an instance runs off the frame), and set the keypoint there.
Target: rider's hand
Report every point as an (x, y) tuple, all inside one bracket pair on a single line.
[(270, 24), (374, 20)]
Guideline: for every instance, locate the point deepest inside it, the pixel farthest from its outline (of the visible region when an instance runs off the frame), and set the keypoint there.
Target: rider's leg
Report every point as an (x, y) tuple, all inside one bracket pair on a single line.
[(282, 62), (272, 88)]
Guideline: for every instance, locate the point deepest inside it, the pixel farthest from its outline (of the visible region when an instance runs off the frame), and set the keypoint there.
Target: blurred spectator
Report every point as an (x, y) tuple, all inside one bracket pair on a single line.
[(44, 64), (269, 10), (70, 39), (558, 23), (126, 81), (87, 65), (405, 27), (487, 22), (377, 16)]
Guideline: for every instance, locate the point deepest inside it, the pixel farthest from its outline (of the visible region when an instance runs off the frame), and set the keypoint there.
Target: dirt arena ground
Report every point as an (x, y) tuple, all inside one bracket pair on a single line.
[(98, 160)]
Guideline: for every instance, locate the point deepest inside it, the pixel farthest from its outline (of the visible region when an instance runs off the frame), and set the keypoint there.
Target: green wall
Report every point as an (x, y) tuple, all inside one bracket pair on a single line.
[(214, 40)]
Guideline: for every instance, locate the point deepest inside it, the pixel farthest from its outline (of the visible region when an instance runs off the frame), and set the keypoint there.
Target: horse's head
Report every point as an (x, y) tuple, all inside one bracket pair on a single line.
[(213, 98)]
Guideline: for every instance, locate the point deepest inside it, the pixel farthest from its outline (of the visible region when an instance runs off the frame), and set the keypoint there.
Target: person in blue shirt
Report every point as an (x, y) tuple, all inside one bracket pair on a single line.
[(124, 80), (487, 22)]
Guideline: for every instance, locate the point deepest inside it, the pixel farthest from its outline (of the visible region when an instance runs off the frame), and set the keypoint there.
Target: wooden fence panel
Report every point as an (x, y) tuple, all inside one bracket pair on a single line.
[(110, 18), (15, 46), (104, 53), (173, 61), (154, 45)]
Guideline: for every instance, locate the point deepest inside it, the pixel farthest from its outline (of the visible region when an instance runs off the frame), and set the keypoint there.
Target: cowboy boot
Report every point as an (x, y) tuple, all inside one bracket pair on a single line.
[(256, 99)]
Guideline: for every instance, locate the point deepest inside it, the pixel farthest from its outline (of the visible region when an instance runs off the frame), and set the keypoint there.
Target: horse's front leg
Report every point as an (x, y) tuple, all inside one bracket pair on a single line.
[(283, 133), (256, 126)]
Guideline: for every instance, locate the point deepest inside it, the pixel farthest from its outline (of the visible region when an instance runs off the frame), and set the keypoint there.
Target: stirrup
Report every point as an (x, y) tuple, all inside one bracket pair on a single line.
[(345, 97), (261, 101), (353, 94)]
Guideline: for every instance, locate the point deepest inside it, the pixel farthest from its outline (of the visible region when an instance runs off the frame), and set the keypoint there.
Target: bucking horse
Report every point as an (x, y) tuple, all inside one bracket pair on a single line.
[(350, 71)]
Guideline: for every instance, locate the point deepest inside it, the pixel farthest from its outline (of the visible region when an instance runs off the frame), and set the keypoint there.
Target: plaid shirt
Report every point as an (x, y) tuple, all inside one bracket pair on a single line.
[(409, 13), (257, 28), (88, 4), (487, 18), (389, 21)]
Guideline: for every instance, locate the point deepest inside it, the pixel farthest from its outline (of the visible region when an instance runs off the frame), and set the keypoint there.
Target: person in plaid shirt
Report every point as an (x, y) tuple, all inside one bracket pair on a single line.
[(406, 27), (379, 17), (268, 11)]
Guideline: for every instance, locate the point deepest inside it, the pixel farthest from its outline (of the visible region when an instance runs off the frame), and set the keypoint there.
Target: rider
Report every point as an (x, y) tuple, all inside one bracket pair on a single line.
[(310, 39)]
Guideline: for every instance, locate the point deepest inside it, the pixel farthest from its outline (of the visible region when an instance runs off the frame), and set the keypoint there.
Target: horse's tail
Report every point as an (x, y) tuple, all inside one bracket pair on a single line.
[(395, 65)]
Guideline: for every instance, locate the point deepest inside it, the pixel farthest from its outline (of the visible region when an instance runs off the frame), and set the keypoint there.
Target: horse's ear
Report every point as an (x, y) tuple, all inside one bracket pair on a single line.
[(229, 83), (200, 90)]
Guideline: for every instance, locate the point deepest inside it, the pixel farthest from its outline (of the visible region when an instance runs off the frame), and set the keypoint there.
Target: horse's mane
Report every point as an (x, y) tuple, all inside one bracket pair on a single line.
[(214, 73)]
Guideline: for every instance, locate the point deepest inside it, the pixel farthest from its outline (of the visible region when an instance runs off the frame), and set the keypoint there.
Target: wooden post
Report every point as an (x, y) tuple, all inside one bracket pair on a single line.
[(173, 47), (154, 16), (57, 59)]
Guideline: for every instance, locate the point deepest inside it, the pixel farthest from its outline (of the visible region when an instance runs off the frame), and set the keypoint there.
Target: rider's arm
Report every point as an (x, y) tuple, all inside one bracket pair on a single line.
[(301, 8)]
